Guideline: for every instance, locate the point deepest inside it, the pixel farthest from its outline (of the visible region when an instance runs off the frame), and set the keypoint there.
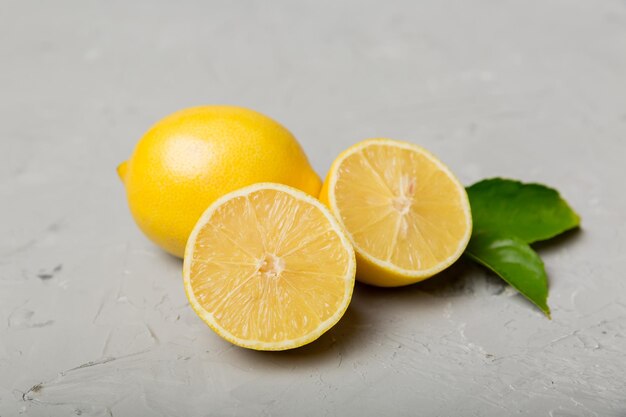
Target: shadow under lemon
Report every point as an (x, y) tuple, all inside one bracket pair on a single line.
[(373, 311), (370, 314)]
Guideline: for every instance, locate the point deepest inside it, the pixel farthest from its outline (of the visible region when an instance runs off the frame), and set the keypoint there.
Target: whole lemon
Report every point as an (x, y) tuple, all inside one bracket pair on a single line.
[(194, 156)]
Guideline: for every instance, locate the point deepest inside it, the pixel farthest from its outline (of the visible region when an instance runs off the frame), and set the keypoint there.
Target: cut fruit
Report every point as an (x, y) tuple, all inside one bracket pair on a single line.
[(406, 214), (268, 267)]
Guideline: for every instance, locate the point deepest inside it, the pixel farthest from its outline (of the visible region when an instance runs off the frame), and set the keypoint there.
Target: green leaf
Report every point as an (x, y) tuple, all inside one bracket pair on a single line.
[(530, 212), (515, 262), (509, 215)]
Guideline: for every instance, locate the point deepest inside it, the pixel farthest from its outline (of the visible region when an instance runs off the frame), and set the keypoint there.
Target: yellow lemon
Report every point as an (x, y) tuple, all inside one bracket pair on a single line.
[(268, 267), (406, 214), (194, 156)]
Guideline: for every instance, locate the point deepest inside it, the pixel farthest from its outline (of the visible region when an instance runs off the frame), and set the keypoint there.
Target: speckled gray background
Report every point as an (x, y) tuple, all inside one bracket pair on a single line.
[(93, 319)]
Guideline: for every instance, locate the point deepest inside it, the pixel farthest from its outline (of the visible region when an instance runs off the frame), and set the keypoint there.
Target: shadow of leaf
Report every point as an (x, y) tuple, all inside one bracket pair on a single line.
[(559, 242)]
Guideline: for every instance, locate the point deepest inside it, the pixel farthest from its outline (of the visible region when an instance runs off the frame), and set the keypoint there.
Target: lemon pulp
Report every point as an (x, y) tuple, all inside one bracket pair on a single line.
[(269, 268), (406, 214)]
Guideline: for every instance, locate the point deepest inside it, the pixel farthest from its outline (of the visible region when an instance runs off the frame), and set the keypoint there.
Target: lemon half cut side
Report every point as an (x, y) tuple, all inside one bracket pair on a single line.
[(405, 213), (268, 267)]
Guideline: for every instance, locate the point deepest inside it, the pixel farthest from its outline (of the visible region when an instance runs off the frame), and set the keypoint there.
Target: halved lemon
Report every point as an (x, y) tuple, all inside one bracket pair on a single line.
[(406, 214), (268, 267)]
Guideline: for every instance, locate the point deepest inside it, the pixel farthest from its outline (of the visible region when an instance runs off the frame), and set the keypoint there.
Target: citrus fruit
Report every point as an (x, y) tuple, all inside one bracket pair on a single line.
[(192, 157), (406, 214), (268, 267)]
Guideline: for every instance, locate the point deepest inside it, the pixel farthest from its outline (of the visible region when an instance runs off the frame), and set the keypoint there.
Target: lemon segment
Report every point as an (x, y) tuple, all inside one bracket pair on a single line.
[(269, 268), (406, 214)]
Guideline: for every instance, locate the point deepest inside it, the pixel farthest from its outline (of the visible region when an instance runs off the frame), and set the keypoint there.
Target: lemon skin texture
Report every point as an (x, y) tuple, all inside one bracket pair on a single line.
[(194, 156)]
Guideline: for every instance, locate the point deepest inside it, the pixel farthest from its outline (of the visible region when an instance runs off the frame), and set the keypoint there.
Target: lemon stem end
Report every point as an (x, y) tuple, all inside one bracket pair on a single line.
[(121, 170)]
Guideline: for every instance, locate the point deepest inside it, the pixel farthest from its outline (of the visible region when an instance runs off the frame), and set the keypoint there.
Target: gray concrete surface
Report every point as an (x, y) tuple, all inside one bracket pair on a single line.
[(93, 319)]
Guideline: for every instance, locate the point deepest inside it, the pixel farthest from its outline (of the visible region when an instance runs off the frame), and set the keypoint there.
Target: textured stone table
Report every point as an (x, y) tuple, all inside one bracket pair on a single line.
[(93, 319)]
